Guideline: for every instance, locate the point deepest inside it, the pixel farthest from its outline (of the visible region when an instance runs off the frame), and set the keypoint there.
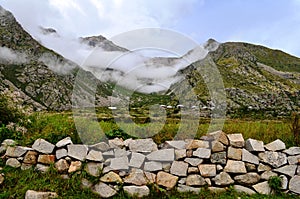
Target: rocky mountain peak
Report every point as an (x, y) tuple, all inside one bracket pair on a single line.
[(211, 45), (102, 42), (48, 31)]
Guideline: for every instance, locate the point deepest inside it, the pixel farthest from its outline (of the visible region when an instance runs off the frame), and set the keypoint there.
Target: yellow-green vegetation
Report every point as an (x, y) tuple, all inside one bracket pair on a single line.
[(55, 126), (17, 182)]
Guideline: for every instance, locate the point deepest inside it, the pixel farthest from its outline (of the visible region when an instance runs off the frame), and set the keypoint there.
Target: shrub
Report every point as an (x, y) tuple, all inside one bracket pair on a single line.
[(9, 111), (275, 184), (295, 127), (117, 133)]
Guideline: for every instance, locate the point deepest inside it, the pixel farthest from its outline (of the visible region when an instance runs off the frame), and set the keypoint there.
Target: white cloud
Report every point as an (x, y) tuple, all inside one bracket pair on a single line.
[(9, 56)]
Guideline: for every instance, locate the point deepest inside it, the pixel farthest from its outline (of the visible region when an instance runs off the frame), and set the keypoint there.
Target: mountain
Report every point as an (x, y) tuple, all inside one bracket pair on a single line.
[(43, 78), (102, 42), (256, 79)]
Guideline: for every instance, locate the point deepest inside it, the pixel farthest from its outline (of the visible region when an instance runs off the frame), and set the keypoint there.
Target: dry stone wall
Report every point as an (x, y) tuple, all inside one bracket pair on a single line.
[(216, 160)]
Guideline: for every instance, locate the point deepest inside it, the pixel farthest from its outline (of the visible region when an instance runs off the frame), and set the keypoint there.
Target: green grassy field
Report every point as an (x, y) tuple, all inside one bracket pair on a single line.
[(55, 126), (18, 182)]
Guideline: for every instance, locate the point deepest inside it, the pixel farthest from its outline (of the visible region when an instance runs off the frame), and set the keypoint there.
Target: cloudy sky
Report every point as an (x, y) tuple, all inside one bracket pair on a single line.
[(275, 24)]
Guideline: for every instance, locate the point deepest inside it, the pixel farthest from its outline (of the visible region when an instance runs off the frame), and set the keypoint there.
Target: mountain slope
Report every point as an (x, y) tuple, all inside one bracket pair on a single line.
[(44, 78), (256, 79)]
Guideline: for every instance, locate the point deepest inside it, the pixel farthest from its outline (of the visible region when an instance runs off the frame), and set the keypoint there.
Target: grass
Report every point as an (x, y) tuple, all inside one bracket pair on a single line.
[(17, 182), (55, 126)]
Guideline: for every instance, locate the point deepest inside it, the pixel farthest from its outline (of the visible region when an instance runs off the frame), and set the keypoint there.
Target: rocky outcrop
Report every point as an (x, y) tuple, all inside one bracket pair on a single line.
[(185, 165)]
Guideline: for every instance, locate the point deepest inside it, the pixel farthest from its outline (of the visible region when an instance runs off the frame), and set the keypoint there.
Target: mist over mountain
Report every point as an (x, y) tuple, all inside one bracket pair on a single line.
[(255, 78)]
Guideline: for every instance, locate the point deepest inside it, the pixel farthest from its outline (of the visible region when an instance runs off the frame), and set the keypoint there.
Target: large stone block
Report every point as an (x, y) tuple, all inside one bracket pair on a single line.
[(77, 151), (236, 140), (43, 146), (233, 166)]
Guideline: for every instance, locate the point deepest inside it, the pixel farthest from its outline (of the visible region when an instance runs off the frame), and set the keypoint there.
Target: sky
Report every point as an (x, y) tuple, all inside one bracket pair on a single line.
[(275, 24)]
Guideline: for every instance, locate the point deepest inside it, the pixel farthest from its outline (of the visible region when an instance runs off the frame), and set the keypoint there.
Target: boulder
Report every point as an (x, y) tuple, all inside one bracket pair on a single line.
[(30, 194), (46, 159), (30, 157), (208, 170), (284, 182), (193, 161), (43, 146), (242, 189), (195, 180), (236, 140), (220, 136), (77, 151), (194, 144), (8, 142), (176, 144), (64, 142), (61, 153), (289, 170), (250, 167), (184, 188), (13, 162), (216, 189), (294, 184), (249, 157), (74, 166), (111, 177), (103, 190), (166, 166), (292, 151), (102, 146), (247, 179), (275, 159), (61, 165), (119, 163), (136, 160), (139, 177), (142, 145), (276, 145), (193, 170), (121, 152), (234, 153), (42, 168), (137, 191), (93, 168), (294, 159), (152, 166), (218, 158), (202, 153), (254, 145), (233, 166), (267, 175), (180, 153), (167, 180), (94, 155), (217, 147), (163, 155), (179, 168), (262, 188), (16, 152), (223, 179), (116, 143), (261, 168)]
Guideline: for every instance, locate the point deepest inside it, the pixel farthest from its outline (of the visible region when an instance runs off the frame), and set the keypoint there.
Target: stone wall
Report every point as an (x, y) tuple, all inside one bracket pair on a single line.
[(216, 160)]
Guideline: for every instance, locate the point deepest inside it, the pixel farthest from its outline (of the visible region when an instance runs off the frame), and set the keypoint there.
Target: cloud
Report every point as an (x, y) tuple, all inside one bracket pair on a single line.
[(9, 56), (55, 64), (134, 71)]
